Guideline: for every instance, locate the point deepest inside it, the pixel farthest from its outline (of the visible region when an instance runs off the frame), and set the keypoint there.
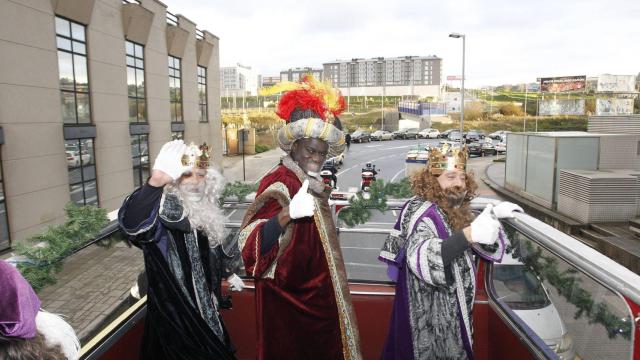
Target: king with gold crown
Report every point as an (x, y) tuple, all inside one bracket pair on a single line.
[(430, 256), (176, 221)]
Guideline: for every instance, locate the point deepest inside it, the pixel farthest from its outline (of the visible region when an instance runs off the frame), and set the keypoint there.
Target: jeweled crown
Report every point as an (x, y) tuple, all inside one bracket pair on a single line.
[(447, 158), (197, 156)]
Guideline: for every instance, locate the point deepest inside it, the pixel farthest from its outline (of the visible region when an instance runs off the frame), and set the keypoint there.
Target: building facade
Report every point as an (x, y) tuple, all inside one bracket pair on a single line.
[(267, 81), (294, 74), (89, 92), (407, 75), (238, 80)]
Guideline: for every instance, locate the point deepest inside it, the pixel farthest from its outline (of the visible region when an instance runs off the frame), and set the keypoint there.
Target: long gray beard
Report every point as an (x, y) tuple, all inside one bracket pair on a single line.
[(455, 197)]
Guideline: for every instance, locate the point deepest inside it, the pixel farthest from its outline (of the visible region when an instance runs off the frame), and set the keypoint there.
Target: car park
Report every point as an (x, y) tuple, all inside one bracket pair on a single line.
[(501, 147)]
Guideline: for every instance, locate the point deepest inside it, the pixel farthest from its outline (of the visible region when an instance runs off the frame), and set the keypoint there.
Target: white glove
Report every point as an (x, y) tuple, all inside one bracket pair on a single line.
[(235, 283), (169, 159), (505, 210), (302, 203), (485, 228)]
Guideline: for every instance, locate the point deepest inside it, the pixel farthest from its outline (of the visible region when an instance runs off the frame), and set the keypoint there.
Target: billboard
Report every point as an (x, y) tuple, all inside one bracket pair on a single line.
[(616, 83), (614, 106), (563, 84), (561, 107)]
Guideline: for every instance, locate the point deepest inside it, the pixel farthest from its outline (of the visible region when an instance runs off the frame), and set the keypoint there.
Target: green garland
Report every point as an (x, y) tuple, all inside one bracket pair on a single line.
[(46, 252), (239, 190), (359, 209), (568, 286)]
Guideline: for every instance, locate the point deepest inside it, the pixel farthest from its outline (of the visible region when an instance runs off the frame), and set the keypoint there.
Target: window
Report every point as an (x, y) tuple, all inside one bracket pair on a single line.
[(135, 82), (175, 89), (140, 156), (72, 65), (202, 94), (177, 135), (82, 171), (4, 222)]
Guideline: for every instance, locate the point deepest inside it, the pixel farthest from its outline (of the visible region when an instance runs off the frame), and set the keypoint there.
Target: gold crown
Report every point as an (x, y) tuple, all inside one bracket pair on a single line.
[(197, 156), (447, 158)]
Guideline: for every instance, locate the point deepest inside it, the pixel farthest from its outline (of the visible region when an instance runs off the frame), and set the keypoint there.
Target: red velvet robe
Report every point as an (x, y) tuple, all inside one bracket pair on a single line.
[(296, 307)]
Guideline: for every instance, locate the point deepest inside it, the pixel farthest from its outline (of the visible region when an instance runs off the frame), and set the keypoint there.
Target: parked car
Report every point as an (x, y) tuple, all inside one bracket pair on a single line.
[(445, 134), (499, 135), (501, 147), (488, 148), (475, 148), (72, 159), (520, 289), (429, 134), (455, 136), (411, 134), (381, 135), (360, 136), (472, 136), (399, 134), (479, 132)]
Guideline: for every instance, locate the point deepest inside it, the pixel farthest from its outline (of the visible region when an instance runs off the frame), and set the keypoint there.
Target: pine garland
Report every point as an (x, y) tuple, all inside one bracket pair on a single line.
[(238, 189), (46, 252), (359, 209), (568, 286)]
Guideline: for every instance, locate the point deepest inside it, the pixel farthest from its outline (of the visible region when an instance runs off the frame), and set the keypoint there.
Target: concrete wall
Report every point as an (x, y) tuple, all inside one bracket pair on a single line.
[(36, 177)]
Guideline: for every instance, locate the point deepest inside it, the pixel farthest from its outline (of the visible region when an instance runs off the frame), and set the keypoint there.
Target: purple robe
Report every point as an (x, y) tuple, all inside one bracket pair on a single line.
[(431, 316)]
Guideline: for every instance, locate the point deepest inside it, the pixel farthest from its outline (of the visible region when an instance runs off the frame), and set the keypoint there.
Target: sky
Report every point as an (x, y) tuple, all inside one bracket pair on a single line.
[(507, 41)]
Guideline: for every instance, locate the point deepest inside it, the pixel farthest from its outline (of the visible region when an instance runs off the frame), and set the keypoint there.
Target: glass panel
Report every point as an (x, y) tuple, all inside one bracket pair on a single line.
[(80, 71), (172, 106), (145, 172), (83, 108), (77, 195), (89, 172), (68, 103), (140, 82), (575, 315), (139, 64), (133, 110), (129, 46), (135, 146), (131, 81), (62, 27), (178, 112), (4, 227), (91, 193), (131, 61), (142, 110), (63, 43), (88, 156), (65, 67), (136, 176), (75, 175), (79, 47), (77, 32), (139, 51), (170, 61)]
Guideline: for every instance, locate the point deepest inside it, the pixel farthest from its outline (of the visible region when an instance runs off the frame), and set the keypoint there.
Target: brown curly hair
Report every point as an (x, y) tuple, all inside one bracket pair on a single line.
[(425, 185)]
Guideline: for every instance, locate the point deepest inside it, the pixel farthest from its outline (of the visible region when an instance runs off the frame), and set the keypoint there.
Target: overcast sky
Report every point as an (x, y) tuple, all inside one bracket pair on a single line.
[(508, 41)]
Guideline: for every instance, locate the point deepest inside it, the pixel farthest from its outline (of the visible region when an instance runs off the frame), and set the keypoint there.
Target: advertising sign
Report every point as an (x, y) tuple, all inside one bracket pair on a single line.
[(614, 106), (563, 84), (616, 83), (562, 107)]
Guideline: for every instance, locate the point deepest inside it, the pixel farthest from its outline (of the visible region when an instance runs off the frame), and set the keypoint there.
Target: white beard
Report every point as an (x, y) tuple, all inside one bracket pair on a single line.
[(200, 204)]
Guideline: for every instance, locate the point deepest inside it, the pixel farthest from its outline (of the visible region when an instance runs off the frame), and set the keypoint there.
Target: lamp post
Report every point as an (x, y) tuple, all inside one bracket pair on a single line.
[(456, 36)]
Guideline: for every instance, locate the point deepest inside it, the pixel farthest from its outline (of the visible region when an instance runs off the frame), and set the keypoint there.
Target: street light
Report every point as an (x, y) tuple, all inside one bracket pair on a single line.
[(456, 36)]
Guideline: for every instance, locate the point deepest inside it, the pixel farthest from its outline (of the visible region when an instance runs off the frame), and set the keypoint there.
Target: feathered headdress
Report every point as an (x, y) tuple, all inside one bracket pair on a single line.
[(308, 94), (310, 108)]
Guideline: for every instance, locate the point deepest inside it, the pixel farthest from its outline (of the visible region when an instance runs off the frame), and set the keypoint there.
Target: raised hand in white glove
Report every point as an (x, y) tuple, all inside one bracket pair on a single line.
[(169, 159), (485, 228), (302, 203), (235, 283), (505, 210)]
